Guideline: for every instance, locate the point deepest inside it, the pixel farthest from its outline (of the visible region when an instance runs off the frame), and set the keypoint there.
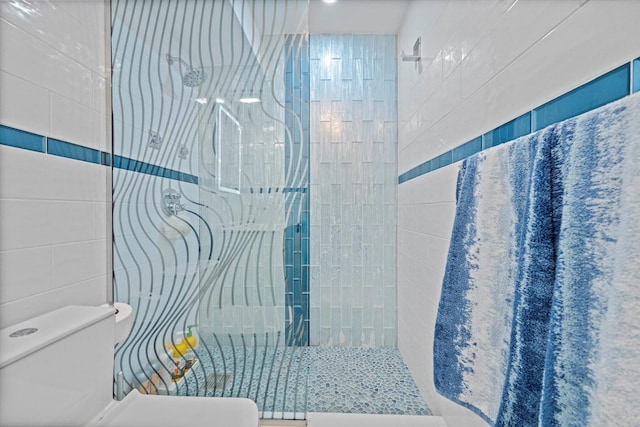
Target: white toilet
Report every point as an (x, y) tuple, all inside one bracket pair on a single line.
[(57, 370)]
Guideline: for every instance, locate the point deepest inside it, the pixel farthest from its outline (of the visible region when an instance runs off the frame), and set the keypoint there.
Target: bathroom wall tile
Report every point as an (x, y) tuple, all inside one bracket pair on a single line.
[(54, 58), (22, 139), (13, 60), (101, 94), (54, 25), (603, 90), (90, 14), (412, 155), (356, 141), (77, 262), (440, 188), (30, 175), (100, 226), (438, 249), (76, 123), (635, 86), (31, 223), (580, 67), (24, 273), (23, 105), (478, 18), (90, 292), (433, 218), (517, 30), (64, 75), (507, 132)]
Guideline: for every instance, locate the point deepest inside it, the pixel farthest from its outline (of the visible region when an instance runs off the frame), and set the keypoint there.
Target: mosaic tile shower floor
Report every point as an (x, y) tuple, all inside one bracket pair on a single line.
[(316, 379), (362, 381)]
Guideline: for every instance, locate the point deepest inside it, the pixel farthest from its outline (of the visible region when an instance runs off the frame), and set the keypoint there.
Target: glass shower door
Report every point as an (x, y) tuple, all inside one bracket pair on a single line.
[(211, 183), (253, 206)]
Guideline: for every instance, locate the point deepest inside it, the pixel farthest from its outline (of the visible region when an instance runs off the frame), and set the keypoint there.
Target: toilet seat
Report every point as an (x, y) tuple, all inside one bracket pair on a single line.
[(143, 410)]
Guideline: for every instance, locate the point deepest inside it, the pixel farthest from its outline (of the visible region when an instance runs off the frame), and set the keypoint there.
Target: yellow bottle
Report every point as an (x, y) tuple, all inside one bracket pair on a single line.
[(189, 342), (179, 349)]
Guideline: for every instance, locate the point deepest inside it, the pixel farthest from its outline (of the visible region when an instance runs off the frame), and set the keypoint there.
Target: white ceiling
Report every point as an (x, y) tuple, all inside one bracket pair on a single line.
[(356, 16)]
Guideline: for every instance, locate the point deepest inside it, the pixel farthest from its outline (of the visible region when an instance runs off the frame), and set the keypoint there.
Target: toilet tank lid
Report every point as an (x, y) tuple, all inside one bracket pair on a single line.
[(50, 327)]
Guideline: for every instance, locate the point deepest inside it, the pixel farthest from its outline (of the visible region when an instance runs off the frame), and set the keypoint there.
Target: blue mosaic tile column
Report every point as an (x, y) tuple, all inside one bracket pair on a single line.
[(296, 246)]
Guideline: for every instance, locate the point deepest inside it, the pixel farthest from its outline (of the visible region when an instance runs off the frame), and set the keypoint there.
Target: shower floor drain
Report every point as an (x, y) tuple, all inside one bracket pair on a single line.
[(217, 381)]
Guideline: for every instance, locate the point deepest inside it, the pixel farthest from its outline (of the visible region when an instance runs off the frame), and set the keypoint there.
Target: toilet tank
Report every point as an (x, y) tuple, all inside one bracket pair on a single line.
[(57, 369)]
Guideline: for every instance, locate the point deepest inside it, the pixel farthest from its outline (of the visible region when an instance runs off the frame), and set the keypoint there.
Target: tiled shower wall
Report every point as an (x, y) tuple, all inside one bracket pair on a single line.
[(54, 211), (353, 190), (493, 61)]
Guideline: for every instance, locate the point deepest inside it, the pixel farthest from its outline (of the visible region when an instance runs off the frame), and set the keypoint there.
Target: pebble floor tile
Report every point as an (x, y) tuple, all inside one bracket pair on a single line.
[(361, 381), (310, 379)]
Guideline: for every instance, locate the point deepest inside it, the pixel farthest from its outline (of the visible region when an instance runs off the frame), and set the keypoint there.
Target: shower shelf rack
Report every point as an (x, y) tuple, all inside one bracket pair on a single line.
[(174, 385)]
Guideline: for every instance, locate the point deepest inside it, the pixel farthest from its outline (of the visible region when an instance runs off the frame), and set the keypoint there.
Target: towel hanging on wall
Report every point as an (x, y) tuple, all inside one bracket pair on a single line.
[(552, 216), (592, 370), (498, 258)]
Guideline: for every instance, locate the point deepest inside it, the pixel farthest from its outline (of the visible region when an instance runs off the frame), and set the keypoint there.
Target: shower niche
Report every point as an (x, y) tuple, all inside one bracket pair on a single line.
[(229, 143)]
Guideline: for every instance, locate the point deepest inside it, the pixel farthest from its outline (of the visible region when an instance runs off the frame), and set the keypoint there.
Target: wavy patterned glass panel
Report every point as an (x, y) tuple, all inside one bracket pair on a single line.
[(211, 178)]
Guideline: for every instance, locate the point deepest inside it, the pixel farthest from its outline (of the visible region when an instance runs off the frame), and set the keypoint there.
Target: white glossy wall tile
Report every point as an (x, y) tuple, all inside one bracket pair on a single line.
[(47, 47), (24, 105), (30, 175), (90, 292), (492, 62), (31, 223), (21, 276), (77, 123), (54, 81), (78, 262), (353, 200)]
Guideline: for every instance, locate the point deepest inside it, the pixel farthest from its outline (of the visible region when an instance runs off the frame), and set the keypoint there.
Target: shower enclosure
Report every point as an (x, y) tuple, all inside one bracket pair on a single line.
[(255, 182), (211, 188)]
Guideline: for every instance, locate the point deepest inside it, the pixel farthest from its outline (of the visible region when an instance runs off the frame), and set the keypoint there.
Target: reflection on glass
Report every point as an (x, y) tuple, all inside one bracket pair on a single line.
[(229, 137)]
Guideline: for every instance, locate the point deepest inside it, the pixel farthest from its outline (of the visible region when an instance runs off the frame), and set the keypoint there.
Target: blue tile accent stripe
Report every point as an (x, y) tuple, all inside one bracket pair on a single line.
[(72, 151), (21, 139), (508, 131), (29, 141), (297, 146), (636, 75), (149, 169), (105, 159), (467, 149), (596, 93), (602, 90), (269, 190)]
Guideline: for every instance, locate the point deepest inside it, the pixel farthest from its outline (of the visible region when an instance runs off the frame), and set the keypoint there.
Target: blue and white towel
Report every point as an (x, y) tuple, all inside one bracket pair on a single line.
[(499, 257), (593, 361), (537, 317)]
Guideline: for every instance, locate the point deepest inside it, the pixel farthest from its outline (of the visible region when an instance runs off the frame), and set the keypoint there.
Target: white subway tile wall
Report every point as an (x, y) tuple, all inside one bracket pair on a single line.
[(353, 190), (54, 81), (492, 62)]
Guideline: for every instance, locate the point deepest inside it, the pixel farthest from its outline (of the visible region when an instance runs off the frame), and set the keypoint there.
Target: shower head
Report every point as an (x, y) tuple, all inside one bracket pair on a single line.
[(193, 77), (416, 52)]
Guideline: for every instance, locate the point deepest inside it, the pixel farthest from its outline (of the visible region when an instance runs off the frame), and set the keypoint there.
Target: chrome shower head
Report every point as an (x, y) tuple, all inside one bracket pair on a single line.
[(194, 76)]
